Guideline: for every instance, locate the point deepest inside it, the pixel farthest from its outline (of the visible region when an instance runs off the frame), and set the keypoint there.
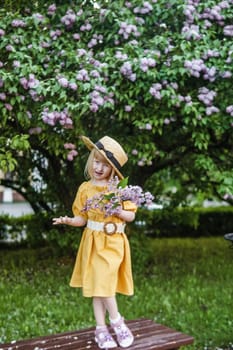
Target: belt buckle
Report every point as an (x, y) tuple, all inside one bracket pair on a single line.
[(110, 228)]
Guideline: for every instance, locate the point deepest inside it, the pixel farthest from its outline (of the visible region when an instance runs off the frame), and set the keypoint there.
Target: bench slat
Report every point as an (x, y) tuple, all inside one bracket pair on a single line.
[(148, 336)]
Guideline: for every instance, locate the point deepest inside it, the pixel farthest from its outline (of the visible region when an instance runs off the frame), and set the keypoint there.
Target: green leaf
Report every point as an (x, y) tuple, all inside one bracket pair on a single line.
[(123, 183)]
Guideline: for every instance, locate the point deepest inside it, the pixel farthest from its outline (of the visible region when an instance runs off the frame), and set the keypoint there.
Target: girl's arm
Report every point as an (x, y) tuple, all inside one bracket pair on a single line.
[(126, 215), (75, 221)]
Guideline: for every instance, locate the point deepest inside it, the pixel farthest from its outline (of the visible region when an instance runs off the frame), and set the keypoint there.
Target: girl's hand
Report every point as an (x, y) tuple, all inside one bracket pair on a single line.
[(62, 220)]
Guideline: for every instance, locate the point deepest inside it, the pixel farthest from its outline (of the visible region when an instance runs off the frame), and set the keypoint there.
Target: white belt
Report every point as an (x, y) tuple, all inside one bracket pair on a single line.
[(108, 227)]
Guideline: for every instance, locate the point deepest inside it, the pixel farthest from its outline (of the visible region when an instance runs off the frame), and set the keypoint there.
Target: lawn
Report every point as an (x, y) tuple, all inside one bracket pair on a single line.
[(185, 284)]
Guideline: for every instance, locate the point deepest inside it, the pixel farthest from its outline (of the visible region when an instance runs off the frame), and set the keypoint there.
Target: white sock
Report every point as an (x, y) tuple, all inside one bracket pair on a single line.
[(116, 319), (101, 327)]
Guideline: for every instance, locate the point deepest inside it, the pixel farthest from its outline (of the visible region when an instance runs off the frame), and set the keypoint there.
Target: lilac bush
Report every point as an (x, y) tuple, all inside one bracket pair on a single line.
[(157, 75)]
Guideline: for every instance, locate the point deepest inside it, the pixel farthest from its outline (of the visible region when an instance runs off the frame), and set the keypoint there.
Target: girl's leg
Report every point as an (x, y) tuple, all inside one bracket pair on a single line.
[(124, 336), (99, 311), (111, 305), (102, 336)]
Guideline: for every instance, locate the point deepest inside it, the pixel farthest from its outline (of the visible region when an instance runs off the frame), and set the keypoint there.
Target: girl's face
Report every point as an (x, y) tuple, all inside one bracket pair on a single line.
[(101, 168)]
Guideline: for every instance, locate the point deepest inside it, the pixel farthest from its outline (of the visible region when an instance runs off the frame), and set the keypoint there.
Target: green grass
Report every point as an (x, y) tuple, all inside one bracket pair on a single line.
[(185, 284)]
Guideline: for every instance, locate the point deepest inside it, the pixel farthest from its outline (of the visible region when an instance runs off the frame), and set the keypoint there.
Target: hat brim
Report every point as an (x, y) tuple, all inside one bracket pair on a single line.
[(90, 145)]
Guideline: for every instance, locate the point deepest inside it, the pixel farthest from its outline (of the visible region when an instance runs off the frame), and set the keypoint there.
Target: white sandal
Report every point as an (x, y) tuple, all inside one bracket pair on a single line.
[(104, 339), (124, 336)]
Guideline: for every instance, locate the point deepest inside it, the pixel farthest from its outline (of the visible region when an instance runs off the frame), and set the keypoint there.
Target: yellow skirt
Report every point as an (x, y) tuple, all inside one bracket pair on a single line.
[(103, 265)]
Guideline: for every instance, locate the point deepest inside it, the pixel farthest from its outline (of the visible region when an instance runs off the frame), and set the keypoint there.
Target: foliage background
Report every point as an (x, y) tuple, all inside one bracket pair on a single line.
[(156, 75)]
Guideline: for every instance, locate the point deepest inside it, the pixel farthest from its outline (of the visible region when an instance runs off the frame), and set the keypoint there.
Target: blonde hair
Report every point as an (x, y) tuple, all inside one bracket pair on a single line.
[(88, 170)]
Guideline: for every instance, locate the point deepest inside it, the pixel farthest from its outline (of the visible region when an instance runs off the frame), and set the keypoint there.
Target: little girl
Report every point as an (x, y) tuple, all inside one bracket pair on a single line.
[(103, 263)]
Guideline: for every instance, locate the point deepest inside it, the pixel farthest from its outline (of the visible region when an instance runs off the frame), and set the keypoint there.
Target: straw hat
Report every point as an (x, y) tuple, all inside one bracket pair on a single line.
[(110, 149)]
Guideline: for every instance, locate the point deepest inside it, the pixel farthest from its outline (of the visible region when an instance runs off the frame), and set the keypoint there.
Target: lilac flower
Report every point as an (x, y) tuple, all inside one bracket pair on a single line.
[(2, 96), (128, 4), (128, 108), (95, 74), (71, 155), (34, 95), (9, 48), (54, 117), (148, 126), (211, 110), (63, 82), (134, 152), (73, 86), (86, 27), (83, 75), (32, 81), (79, 13), (94, 107), (141, 163), (16, 64), (111, 200), (69, 19), (211, 53), (226, 74), (44, 44), (29, 114), (121, 56), (206, 96), (81, 52), (35, 131), (229, 110), (145, 63), (228, 30), (69, 146), (228, 196), (24, 82), (51, 9), (72, 151), (1, 64), (54, 34), (127, 29), (8, 106), (191, 32), (93, 42), (2, 32), (167, 121), (18, 23), (126, 70), (38, 17), (76, 36), (197, 67), (146, 8), (155, 91), (99, 101)]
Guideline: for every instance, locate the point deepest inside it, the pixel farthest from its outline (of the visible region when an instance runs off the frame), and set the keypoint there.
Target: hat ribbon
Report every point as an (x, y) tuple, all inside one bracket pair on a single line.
[(109, 155)]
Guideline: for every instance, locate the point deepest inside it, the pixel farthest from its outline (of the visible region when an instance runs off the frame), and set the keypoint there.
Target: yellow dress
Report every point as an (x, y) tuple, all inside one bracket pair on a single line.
[(103, 262)]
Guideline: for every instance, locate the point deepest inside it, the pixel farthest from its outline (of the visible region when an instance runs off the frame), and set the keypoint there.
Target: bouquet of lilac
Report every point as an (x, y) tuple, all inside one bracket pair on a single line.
[(110, 202)]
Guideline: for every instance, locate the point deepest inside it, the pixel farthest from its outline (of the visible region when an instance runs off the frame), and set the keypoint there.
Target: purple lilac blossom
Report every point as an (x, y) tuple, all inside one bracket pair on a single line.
[(51, 9), (69, 19), (2, 96), (54, 117), (155, 91), (18, 23), (228, 30), (126, 70), (229, 110), (110, 202), (127, 29), (206, 96)]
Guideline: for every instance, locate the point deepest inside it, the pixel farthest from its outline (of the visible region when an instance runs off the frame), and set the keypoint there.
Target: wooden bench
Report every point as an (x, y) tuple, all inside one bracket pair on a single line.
[(148, 336)]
